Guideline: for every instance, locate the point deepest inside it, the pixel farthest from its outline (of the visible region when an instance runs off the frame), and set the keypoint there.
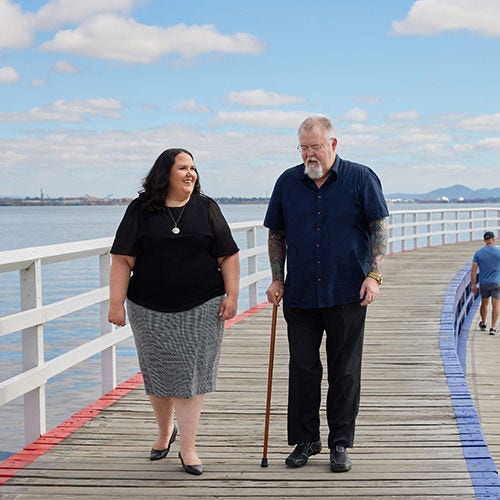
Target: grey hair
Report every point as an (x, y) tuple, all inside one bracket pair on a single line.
[(319, 121)]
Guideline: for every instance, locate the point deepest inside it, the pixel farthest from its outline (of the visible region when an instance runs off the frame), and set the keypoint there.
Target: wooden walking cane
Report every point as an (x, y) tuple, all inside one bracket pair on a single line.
[(269, 382)]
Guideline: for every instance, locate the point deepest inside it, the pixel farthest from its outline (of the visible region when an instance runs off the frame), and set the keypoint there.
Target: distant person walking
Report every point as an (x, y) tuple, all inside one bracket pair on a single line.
[(487, 259)]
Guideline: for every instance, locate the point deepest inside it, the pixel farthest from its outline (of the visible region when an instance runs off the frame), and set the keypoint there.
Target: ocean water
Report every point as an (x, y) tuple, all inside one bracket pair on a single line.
[(22, 227)]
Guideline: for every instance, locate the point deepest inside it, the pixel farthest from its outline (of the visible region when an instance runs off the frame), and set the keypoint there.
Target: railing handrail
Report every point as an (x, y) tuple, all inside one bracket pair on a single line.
[(29, 261), (447, 210), (12, 260)]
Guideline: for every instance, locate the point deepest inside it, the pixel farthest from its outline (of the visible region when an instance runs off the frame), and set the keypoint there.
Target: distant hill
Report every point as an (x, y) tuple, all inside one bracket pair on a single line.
[(456, 192)]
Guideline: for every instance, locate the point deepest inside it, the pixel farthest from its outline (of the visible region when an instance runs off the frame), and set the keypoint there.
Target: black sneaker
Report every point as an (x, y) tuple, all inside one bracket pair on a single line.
[(493, 331), (339, 459), (301, 454), (482, 326)]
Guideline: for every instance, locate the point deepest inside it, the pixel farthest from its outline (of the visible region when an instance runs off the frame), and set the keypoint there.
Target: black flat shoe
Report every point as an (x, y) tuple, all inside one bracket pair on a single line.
[(196, 470), (159, 454)]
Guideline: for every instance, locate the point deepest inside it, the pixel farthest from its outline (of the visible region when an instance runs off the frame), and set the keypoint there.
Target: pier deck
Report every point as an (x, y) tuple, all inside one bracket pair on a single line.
[(407, 444)]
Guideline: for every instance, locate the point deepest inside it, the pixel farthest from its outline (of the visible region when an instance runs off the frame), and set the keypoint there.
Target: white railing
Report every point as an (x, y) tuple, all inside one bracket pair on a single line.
[(407, 230), (412, 229), (34, 314)]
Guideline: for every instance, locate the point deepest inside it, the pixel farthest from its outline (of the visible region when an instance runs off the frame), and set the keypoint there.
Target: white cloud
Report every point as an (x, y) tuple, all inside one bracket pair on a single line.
[(265, 118), (65, 67), (16, 28), (8, 75), (72, 111), (109, 36), (355, 128), (59, 12), (481, 123), (485, 144), (368, 100), (403, 115), (191, 106), (355, 115), (116, 161), (38, 83), (430, 17), (260, 97)]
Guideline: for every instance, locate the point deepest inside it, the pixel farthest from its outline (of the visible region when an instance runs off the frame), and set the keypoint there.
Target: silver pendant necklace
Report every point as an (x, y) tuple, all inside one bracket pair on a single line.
[(175, 229)]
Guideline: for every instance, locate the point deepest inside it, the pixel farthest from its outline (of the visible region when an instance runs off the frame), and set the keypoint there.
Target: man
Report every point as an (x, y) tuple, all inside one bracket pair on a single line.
[(326, 216), (487, 259)]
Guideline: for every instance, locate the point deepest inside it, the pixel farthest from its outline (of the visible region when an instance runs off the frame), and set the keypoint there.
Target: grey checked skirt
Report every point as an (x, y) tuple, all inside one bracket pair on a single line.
[(178, 352)]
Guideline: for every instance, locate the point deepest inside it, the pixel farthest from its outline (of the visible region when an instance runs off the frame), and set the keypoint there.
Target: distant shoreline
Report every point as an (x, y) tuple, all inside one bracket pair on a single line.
[(233, 200), (88, 200)]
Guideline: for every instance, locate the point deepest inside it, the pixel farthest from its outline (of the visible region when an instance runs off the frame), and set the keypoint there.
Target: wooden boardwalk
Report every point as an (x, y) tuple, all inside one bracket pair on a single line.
[(407, 444)]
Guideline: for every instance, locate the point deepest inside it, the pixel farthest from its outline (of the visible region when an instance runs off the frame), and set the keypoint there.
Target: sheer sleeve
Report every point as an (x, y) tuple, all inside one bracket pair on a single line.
[(126, 234), (224, 241)]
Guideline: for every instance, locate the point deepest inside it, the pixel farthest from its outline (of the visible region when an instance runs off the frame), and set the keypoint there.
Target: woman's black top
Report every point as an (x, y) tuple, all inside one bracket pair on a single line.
[(175, 272)]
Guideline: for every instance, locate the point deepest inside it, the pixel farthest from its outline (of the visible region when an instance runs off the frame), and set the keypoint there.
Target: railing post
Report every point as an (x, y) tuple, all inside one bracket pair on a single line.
[(443, 227), (252, 266), (415, 231), (33, 353), (403, 232), (429, 228), (108, 356)]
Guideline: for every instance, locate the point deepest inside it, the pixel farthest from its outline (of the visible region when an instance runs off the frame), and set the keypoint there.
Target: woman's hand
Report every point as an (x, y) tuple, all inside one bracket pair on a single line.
[(228, 308), (116, 314)]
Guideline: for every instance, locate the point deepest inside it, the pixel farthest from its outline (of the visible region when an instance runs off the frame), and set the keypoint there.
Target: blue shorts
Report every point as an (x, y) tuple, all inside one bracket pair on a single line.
[(490, 290)]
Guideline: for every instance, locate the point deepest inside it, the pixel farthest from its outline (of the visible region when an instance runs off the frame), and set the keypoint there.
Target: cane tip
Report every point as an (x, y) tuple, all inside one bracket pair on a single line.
[(264, 462)]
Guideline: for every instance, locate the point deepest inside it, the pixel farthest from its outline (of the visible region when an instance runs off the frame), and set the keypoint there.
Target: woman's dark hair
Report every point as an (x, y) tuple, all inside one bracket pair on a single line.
[(155, 184)]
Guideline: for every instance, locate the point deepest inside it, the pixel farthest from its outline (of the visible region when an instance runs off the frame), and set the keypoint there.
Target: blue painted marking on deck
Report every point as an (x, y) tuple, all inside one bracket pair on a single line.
[(482, 468)]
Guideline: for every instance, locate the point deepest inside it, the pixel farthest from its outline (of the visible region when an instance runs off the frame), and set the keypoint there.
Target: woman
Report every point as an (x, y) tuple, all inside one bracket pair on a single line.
[(175, 261)]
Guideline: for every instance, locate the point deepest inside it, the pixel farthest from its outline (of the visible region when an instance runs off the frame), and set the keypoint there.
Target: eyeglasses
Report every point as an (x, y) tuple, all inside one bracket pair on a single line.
[(314, 147)]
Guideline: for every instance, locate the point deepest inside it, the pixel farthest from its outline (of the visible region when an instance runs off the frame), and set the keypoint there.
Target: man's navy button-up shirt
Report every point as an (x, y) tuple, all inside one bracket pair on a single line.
[(326, 232)]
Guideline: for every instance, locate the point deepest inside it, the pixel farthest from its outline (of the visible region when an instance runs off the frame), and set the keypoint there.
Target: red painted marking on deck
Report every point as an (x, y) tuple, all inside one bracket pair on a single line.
[(249, 312), (13, 464)]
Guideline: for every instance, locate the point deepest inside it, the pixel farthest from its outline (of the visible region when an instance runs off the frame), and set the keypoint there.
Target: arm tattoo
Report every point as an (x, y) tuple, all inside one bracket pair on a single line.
[(277, 253), (378, 244)]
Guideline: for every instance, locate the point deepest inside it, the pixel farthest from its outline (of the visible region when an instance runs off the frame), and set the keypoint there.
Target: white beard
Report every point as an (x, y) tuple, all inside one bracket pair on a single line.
[(313, 169)]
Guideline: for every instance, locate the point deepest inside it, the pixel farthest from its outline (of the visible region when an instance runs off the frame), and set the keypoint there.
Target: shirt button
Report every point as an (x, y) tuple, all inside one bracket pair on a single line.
[(318, 262), (319, 280), (318, 229), (317, 245), (319, 213)]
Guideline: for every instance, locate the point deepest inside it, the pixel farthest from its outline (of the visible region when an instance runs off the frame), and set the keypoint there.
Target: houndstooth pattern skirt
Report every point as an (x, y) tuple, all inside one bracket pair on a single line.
[(178, 352)]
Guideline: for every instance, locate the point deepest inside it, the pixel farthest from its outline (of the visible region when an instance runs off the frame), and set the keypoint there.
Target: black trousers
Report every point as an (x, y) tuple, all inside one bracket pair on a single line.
[(344, 327)]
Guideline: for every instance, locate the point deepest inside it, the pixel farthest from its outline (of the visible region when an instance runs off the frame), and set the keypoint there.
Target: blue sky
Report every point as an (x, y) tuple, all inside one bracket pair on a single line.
[(93, 91)]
